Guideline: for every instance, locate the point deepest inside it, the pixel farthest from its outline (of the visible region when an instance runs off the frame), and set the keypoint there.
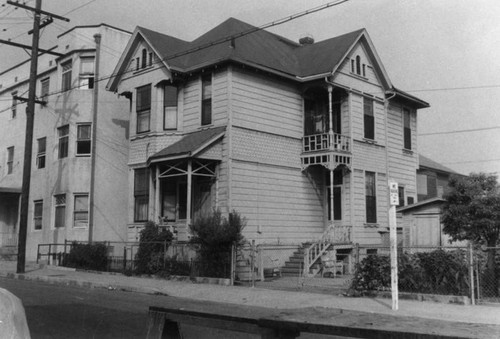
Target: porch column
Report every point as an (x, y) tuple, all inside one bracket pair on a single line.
[(332, 217), (330, 113), (188, 198), (157, 194)]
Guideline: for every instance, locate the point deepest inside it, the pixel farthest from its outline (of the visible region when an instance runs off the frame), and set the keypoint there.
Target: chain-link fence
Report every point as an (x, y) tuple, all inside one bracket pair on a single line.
[(486, 278)]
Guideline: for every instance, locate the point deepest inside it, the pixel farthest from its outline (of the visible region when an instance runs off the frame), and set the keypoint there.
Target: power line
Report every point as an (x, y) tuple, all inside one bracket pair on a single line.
[(470, 161), (459, 131), (453, 88)]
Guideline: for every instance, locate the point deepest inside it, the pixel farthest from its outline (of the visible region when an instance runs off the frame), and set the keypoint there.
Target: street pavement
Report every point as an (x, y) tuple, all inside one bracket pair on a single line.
[(255, 296)]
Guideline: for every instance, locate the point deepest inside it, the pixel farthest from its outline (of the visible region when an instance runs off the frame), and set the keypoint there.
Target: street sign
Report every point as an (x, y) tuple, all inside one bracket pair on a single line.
[(393, 191)]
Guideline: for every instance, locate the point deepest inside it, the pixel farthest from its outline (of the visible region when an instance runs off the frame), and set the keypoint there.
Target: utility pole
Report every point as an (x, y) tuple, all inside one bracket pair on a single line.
[(28, 141)]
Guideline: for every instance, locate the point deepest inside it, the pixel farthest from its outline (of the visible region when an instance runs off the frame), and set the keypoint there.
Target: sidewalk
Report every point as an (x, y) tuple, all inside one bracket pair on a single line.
[(240, 295)]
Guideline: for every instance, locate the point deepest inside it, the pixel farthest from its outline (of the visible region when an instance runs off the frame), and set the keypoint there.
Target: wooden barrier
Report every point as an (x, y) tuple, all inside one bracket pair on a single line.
[(267, 323)]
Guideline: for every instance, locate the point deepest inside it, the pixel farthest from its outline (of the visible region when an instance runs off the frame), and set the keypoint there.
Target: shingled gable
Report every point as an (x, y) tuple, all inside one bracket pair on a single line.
[(190, 145)]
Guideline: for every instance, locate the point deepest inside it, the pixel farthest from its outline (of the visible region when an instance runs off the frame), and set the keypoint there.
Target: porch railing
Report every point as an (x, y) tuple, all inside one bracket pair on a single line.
[(332, 235), (326, 142), (8, 239)]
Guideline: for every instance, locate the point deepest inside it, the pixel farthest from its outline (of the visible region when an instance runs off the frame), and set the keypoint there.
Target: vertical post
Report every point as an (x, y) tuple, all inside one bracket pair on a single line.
[(394, 201), (471, 273), (28, 143), (252, 263), (233, 256), (157, 204), (332, 210), (189, 189), (124, 258), (97, 39)]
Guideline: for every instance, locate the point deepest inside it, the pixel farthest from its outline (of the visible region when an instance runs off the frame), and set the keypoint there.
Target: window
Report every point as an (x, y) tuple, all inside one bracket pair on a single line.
[(37, 214), (86, 73), (170, 107), (40, 155), (14, 106), (45, 87), (337, 195), (150, 59), (369, 119), (60, 210), (206, 99), (138, 63), (407, 128), (63, 134), (10, 159), (83, 141), (144, 58), (81, 211), (143, 108), (401, 195), (66, 75), (371, 198), (358, 65), (141, 194)]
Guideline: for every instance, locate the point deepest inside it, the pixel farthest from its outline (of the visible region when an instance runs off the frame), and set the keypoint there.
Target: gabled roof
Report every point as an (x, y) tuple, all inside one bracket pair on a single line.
[(190, 144), (431, 164), (423, 203), (239, 42)]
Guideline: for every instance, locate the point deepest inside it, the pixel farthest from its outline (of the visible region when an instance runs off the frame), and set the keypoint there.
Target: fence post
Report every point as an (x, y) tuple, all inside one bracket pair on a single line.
[(252, 263), (471, 270), (124, 258), (232, 273)]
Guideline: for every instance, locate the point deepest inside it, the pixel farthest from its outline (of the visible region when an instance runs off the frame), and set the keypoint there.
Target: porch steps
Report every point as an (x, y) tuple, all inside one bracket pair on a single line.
[(295, 264)]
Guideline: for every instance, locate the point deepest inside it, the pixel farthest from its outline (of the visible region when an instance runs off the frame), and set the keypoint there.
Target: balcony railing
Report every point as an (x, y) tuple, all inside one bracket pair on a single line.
[(326, 142)]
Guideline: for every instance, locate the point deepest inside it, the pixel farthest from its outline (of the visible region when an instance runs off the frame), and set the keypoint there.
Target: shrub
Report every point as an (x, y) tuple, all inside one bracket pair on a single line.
[(436, 272), (152, 241), (215, 236), (92, 256)]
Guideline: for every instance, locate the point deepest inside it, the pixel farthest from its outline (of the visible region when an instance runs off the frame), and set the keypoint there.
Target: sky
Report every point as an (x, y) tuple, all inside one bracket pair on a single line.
[(445, 52)]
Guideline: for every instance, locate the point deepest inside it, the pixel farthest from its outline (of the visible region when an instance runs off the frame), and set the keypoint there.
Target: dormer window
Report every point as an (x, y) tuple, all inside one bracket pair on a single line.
[(358, 65)]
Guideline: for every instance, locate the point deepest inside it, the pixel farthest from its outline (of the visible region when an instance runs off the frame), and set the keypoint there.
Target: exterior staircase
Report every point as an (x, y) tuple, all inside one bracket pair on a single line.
[(306, 260)]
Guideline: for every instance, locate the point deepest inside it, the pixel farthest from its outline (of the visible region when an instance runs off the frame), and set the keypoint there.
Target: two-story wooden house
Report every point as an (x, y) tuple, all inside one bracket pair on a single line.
[(300, 138), (79, 176)]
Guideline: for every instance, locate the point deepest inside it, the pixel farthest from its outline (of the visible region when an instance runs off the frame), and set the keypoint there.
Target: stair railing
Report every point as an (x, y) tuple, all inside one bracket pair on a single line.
[(317, 249)]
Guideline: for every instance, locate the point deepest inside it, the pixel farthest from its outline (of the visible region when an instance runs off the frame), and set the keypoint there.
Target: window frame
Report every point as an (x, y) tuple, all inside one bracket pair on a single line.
[(368, 118), (144, 58), (10, 159), (63, 142), (37, 218), (206, 99), (60, 206), (44, 88), (170, 107), (143, 112), (370, 199), (66, 75), (87, 142), (407, 129), (41, 152), (86, 79), (13, 108), (141, 194), (401, 195), (85, 211)]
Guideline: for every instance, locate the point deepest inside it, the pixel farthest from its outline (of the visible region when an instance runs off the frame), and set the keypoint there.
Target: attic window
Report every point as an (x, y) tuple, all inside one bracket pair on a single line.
[(150, 59), (144, 58), (357, 67)]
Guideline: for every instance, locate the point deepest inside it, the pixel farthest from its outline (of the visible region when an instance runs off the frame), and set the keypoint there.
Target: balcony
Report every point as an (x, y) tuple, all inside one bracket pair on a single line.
[(328, 150)]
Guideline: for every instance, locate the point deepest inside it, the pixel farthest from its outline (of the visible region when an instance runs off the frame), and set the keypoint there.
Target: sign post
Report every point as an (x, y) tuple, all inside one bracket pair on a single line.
[(394, 201)]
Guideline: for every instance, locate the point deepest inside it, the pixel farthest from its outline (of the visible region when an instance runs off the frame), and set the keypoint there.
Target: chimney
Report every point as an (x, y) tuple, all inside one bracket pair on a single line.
[(307, 40)]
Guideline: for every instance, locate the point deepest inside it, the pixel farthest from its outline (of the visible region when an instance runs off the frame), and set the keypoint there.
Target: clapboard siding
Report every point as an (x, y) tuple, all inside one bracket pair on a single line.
[(192, 101), (266, 105), (275, 200)]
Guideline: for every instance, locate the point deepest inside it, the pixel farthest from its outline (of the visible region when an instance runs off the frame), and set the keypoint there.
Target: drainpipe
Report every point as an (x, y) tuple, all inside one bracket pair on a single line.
[(97, 39)]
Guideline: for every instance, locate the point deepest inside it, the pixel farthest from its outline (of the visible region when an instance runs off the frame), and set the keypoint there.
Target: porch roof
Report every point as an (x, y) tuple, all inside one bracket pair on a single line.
[(190, 145), (14, 190), (424, 203)]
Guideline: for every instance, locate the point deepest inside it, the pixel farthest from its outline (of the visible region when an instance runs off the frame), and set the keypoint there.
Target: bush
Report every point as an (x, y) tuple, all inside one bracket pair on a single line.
[(152, 241), (436, 272), (215, 236), (92, 256)]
